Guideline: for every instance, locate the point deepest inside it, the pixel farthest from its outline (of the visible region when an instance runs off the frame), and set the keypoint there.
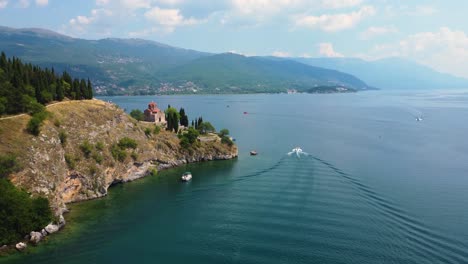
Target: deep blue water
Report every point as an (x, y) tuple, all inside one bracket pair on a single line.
[(377, 187)]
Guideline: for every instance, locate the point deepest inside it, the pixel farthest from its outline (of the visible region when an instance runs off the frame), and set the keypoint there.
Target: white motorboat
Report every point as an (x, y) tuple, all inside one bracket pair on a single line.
[(187, 176)]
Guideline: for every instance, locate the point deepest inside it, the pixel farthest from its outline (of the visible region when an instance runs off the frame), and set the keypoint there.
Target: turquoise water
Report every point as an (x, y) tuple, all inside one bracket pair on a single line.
[(377, 187)]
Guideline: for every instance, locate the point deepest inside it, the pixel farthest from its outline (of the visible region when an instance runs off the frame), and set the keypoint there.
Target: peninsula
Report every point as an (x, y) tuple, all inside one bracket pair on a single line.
[(86, 146)]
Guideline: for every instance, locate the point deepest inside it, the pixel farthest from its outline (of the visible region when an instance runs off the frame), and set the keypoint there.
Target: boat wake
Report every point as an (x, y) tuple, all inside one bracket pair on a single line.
[(298, 151)]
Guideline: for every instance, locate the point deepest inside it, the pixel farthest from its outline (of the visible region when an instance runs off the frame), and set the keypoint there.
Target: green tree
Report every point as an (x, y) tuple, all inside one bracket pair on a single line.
[(206, 127), (19, 213), (8, 165), (172, 118), (223, 132), (137, 114)]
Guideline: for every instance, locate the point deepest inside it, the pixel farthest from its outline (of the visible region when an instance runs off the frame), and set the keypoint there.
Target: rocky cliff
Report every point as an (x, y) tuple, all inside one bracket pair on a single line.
[(72, 159)]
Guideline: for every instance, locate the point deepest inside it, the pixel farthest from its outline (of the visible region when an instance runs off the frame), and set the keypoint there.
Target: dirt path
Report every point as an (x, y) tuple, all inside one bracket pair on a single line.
[(14, 116)]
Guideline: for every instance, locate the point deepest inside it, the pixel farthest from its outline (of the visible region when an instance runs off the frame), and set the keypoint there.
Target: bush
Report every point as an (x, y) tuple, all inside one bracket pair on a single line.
[(33, 107), (35, 123), (100, 146), (20, 214), (118, 153), (137, 114), (154, 172), (8, 165), (223, 132), (63, 137), (156, 130), (147, 132), (184, 143), (71, 161), (134, 155), (126, 143), (226, 140), (97, 157), (86, 148)]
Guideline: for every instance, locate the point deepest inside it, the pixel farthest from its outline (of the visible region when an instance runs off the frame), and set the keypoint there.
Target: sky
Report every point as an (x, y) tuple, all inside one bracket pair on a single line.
[(433, 33)]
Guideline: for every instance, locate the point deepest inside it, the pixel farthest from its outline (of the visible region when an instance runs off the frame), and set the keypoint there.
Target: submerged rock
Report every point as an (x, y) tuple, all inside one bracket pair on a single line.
[(21, 246), (36, 237)]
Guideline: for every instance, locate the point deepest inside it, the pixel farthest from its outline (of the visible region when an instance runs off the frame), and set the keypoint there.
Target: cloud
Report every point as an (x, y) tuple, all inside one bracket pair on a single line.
[(335, 22), (327, 50), (136, 4), (372, 32), (80, 24), (169, 18), (3, 3), (281, 54), (336, 4), (42, 2), (445, 50)]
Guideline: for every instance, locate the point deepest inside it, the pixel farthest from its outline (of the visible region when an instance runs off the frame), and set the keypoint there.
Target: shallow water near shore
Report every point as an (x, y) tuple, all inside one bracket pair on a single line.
[(377, 187)]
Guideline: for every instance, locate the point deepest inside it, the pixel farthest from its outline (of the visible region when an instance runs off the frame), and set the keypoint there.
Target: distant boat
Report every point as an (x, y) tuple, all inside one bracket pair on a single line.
[(419, 118), (245, 113), (253, 153), (187, 176)]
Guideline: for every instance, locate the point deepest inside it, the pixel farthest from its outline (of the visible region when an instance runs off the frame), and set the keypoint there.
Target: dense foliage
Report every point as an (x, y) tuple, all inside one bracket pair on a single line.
[(8, 165), (172, 119), (137, 114), (20, 214), (24, 87), (188, 138), (183, 118)]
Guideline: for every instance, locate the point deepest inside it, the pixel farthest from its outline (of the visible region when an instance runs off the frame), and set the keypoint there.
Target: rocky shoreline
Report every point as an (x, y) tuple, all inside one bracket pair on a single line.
[(139, 171), (76, 156)]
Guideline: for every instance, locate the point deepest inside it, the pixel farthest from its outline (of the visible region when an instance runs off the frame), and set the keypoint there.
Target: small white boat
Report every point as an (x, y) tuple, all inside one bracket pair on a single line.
[(187, 176), (298, 151), (419, 119)]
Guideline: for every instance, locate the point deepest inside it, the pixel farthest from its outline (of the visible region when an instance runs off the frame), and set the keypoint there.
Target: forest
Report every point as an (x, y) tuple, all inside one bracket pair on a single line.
[(25, 87)]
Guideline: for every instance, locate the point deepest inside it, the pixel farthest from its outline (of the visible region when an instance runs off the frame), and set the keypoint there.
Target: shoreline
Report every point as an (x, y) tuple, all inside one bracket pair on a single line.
[(33, 240)]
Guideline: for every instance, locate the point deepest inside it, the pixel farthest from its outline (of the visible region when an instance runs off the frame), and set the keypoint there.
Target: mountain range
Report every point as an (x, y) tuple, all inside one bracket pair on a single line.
[(136, 66)]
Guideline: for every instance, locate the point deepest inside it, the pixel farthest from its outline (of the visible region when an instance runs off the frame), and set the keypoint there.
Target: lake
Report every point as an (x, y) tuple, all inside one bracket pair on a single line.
[(378, 186)]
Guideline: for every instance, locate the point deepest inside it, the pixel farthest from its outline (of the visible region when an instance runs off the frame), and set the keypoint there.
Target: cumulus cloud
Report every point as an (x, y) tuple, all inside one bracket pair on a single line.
[(445, 50), (372, 32), (42, 2), (169, 18), (335, 22), (80, 24), (327, 50), (3, 3)]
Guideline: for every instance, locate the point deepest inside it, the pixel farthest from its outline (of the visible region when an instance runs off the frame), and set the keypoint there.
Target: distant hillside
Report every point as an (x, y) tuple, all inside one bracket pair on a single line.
[(392, 73), (110, 63), (135, 66), (231, 73)]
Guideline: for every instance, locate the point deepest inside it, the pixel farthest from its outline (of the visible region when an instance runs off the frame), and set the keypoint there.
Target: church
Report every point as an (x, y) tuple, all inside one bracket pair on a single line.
[(154, 114)]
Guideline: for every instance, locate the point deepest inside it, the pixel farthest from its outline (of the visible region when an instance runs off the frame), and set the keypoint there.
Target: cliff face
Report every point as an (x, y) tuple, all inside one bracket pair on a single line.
[(71, 160)]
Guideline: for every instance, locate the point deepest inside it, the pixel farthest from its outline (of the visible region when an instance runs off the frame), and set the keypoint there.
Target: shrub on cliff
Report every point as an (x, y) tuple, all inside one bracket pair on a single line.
[(8, 165), (86, 148), (35, 123), (20, 214), (118, 153), (126, 143)]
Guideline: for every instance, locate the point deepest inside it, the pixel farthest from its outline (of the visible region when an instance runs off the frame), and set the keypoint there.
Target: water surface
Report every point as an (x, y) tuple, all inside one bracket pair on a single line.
[(378, 187)]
